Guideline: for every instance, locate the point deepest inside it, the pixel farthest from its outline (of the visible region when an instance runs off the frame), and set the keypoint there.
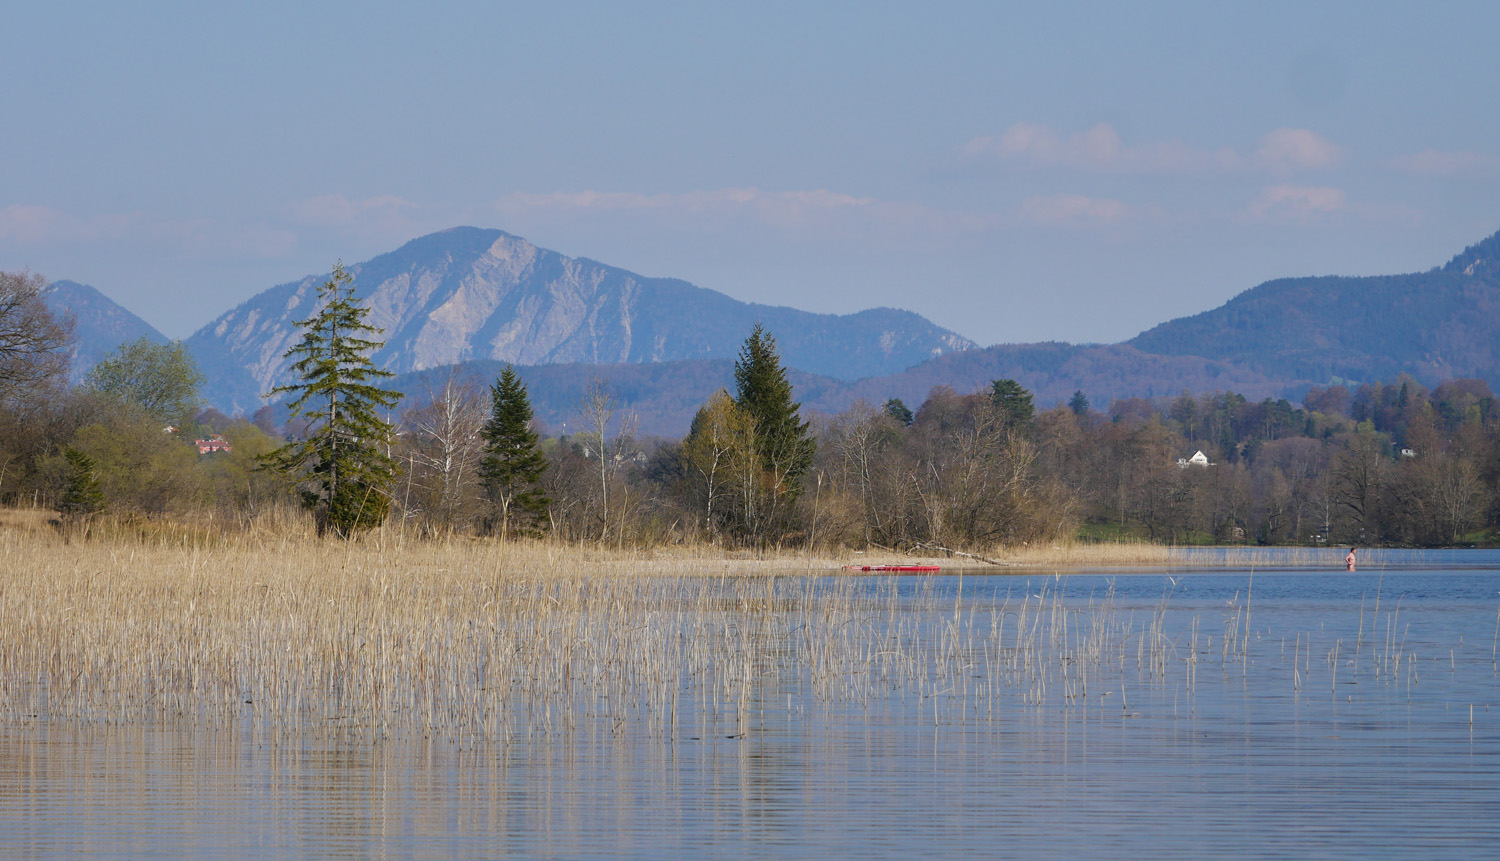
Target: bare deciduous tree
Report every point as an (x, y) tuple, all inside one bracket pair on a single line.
[(714, 453), (446, 451), (33, 343), (598, 411)]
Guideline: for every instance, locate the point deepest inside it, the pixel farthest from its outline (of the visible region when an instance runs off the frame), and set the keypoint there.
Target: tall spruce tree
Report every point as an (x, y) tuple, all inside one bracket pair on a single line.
[(782, 442), (1079, 404), (511, 472), (81, 495), (343, 470)]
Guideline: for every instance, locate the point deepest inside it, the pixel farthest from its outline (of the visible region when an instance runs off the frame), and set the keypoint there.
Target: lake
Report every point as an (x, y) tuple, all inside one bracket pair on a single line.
[(1209, 709)]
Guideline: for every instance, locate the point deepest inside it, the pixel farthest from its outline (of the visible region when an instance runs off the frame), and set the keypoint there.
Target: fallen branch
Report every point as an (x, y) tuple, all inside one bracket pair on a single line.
[(950, 551)]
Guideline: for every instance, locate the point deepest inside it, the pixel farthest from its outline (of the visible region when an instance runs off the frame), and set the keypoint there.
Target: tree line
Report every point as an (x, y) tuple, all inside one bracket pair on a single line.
[(1375, 463)]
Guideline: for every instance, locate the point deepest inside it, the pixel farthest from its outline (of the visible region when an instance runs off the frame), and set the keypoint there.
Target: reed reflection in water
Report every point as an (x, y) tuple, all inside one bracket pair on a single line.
[(1273, 713)]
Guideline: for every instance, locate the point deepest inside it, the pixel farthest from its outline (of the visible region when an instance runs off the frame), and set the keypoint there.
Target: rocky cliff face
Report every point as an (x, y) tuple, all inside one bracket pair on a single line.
[(466, 294)]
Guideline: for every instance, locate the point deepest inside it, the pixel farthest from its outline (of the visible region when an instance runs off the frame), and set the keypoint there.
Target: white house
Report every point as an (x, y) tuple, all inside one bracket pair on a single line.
[(1198, 459)]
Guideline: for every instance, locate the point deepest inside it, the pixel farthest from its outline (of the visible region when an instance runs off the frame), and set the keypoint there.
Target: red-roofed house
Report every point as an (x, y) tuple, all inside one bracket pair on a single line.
[(212, 444)]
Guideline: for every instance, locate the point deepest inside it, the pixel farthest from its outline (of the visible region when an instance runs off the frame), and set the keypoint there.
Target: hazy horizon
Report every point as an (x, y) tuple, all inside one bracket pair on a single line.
[(1076, 173)]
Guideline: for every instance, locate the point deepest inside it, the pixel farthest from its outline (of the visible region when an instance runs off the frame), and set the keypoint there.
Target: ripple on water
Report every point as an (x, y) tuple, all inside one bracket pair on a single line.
[(1332, 732)]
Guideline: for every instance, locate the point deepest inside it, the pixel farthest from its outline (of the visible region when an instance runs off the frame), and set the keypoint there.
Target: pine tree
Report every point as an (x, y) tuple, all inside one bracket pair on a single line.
[(782, 442), (82, 495), (898, 410), (343, 470), (511, 471), (1014, 403), (1079, 404)]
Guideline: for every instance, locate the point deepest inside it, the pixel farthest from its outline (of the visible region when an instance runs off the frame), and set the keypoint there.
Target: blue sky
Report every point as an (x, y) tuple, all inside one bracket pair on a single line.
[(1070, 171)]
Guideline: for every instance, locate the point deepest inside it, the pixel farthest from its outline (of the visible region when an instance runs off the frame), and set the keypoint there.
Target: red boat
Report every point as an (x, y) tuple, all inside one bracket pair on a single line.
[(902, 568)]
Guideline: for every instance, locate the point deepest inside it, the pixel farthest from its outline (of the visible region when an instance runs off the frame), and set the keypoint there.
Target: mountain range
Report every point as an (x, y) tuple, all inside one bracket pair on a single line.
[(467, 294), (475, 299), (1438, 324)]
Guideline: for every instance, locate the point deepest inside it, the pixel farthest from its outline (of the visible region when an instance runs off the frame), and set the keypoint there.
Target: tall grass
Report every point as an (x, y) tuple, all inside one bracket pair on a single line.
[(279, 630)]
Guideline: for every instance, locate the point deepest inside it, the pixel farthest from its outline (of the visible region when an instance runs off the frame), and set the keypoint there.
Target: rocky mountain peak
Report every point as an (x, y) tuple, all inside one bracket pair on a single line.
[(468, 294)]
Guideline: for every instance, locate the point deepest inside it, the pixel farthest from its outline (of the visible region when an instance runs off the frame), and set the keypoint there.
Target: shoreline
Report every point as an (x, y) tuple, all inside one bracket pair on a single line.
[(38, 528)]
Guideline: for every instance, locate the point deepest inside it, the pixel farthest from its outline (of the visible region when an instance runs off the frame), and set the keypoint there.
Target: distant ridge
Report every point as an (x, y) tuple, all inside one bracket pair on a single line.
[(100, 326), (483, 297), (1438, 324), (470, 294), (1275, 340)]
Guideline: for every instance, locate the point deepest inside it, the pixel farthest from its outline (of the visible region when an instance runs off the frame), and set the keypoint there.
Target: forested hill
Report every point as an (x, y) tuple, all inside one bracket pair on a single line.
[(1439, 324), (663, 396)]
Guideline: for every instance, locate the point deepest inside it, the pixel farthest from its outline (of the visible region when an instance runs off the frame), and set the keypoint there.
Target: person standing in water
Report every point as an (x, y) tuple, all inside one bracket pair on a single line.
[(1349, 560)]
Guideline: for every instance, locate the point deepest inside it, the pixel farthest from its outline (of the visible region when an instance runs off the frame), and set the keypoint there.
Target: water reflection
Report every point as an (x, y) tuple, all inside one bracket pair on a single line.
[(1330, 716)]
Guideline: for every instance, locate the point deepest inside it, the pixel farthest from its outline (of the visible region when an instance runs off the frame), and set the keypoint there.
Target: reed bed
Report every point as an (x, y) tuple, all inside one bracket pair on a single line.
[(499, 640)]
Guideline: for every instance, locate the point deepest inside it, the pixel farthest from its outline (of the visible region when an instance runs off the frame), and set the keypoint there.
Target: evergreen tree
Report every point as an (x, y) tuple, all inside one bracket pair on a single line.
[(1079, 404), (82, 495), (898, 410), (511, 471), (343, 470), (782, 442), (1014, 403)]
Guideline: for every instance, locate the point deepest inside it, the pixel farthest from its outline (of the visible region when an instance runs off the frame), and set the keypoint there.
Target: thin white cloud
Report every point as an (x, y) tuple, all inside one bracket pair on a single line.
[(694, 201), (41, 225), (820, 213), (1285, 150), (1097, 147), (1431, 162), (336, 210), (1302, 204), (794, 210), (1297, 202), (1101, 148), (33, 225), (1073, 209), (384, 218)]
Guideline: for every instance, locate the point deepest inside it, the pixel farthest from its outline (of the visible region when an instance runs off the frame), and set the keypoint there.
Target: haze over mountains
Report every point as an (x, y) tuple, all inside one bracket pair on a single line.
[(100, 324), (1438, 324), (484, 297), (469, 294)]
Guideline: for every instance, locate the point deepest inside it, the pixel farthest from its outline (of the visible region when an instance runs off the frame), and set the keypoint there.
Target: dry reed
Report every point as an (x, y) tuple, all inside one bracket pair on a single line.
[(278, 630)]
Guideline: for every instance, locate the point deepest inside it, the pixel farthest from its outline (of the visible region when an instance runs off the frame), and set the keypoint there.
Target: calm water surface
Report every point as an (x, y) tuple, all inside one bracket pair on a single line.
[(1292, 716)]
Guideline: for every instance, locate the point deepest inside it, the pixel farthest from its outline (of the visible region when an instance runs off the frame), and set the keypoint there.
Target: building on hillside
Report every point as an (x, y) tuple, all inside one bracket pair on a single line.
[(213, 444), (1198, 459)]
